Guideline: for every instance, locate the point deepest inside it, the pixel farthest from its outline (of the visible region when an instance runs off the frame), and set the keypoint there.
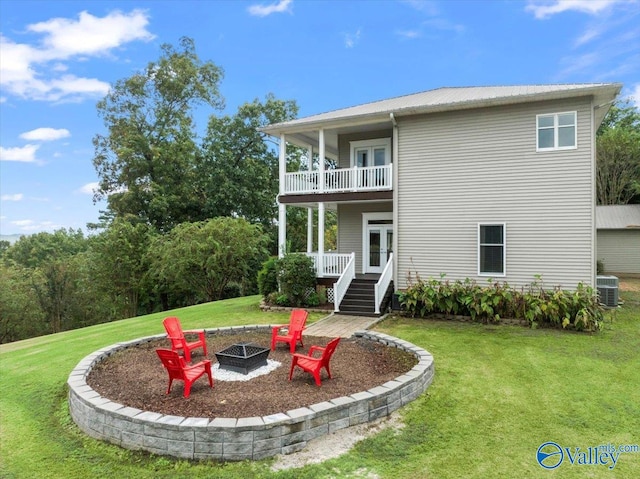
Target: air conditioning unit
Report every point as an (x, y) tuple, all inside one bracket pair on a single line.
[(607, 281), (608, 295)]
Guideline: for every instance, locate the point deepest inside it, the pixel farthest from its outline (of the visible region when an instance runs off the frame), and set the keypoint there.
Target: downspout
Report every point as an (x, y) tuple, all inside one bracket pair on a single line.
[(594, 233), (394, 183)]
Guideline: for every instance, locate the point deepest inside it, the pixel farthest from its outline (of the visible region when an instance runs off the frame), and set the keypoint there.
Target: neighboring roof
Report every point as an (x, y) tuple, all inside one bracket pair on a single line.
[(618, 217), (455, 98)]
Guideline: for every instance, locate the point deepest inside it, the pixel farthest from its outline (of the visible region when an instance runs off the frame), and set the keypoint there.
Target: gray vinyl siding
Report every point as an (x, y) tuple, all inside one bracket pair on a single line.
[(619, 250), (461, 168), (350, 226), (344, 148)]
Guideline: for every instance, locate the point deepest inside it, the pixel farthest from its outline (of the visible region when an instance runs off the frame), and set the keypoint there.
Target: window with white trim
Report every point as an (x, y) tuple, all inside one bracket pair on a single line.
[(557, 131), (376, 152), (492, 249)]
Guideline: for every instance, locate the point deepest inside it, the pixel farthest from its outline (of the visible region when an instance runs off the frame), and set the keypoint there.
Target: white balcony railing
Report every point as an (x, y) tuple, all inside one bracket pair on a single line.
[(370, 178), (333, 264), (341, 286), (380, 288)]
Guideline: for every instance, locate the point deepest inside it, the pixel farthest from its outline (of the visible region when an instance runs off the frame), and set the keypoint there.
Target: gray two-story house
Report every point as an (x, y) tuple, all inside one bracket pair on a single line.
[(481, 182)]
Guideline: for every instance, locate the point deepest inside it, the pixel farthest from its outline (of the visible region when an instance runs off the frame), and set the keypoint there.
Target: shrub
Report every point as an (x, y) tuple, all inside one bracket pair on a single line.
[(282, 300), (296, 275), (232, 290), (313, 300), (577, 309), (268, 277)]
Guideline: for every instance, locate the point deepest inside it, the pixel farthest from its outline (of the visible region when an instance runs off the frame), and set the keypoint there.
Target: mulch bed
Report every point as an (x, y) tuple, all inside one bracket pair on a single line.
[(135, 377)]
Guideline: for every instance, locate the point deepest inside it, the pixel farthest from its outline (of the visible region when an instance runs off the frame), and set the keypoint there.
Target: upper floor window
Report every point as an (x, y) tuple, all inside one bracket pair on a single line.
[(375, 152), (492, 251), (557, 131)]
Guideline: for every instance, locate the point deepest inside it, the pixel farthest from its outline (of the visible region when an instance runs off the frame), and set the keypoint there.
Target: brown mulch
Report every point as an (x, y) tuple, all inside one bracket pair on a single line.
[(135, 377)]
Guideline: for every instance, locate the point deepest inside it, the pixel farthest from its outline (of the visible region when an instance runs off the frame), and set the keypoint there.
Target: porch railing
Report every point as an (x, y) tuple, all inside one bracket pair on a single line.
[(341, 286), (380, 288), (333, 264), (370, 178)]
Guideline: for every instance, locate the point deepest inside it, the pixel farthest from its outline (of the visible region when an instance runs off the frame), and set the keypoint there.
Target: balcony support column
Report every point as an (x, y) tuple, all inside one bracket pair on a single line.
[(309, 230), (282, 229), (321, 154), (309, 210), (320, 239), (282, 162)]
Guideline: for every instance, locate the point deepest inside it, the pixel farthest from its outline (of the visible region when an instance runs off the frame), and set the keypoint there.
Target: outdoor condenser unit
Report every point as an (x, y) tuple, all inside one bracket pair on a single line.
[(607, 281), (608, 290), (608, 296)]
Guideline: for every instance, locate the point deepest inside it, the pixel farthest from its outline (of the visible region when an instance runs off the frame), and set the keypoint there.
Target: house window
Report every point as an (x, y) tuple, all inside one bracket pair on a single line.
[(556, 131), (492, 251), (371, 152)]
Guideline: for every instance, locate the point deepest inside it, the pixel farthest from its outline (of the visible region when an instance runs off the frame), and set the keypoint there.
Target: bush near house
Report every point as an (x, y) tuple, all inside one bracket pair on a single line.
[(578, 310), (289, 281)]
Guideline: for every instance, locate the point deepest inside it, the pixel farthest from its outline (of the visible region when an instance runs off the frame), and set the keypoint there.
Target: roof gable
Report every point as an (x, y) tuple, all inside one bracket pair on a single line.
[(453, 98)]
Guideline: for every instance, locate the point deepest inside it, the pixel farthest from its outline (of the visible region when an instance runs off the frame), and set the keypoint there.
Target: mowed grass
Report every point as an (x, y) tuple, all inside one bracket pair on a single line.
[(499, 393)]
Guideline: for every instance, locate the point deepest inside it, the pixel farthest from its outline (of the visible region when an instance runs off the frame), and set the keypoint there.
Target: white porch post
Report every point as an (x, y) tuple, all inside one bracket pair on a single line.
[(310, 210), (282, 209), (282, 229), (320, 239), (321, 154)]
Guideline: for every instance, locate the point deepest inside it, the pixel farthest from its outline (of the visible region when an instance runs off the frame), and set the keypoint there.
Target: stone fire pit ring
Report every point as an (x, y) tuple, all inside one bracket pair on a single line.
[(235, 439)]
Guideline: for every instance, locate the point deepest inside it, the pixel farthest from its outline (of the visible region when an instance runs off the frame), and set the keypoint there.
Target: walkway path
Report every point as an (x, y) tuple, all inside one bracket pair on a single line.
[(339, 325)]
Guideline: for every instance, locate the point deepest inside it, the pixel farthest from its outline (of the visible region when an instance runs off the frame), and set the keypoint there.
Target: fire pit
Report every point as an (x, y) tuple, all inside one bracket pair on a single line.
[(242, 357)]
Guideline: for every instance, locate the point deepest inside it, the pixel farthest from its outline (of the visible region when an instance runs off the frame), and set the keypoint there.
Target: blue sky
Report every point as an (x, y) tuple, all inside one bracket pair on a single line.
[(57, 59)]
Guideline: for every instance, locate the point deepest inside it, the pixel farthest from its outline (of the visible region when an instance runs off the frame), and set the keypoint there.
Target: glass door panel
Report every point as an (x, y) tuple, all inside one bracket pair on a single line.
[(375, 240)]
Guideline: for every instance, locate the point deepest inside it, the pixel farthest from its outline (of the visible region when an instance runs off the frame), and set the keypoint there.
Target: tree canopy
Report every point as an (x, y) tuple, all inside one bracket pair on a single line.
[(618, 156), (145, 161)]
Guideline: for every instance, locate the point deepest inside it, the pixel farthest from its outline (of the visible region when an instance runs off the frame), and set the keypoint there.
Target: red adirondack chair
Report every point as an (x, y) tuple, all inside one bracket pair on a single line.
[(293, 332), (178, 369), (179, 342), (312, 364)]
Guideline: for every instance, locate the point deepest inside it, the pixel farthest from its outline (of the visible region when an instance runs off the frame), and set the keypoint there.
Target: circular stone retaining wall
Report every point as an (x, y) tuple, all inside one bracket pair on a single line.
[(231, 439)]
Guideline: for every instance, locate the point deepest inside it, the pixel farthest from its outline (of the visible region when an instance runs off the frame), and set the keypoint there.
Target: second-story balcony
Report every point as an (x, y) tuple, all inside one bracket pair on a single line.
[(370, 178)]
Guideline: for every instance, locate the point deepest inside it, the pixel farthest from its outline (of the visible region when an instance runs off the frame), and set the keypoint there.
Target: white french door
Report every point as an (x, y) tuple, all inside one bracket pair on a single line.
[(377, 241)]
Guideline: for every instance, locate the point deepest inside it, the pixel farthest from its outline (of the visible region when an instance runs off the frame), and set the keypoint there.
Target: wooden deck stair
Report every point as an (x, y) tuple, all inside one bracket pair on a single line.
[(360, 297)]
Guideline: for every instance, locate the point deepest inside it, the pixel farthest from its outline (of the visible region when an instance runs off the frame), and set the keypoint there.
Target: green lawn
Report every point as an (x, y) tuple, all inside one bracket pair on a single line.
[(499, 392)]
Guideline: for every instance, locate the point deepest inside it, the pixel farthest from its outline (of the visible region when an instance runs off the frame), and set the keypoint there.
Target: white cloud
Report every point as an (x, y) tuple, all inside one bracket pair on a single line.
[(545, 8), (89, 188), (45, 134), (587, 36), (15, 197), (265, 10), (22, 223), (409, 33), (25, 154), (350, 39), (91, 35), (34, 71)]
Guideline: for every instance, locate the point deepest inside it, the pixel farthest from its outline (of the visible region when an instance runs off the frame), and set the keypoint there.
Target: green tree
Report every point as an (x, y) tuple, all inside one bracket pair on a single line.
[(20, 315), (55, 285), (120, 263), (145, 162), (37, 249), (238, 174), (204, 257), (618, 156)]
